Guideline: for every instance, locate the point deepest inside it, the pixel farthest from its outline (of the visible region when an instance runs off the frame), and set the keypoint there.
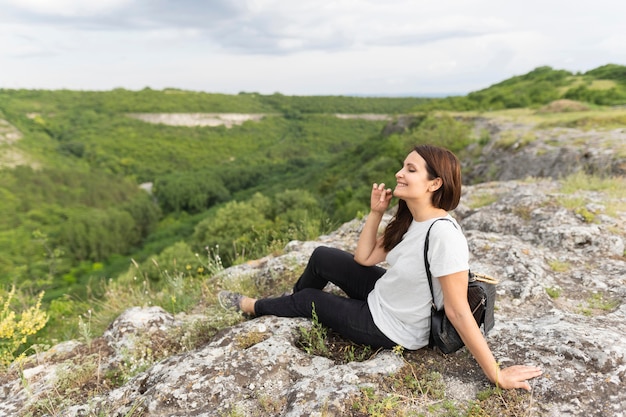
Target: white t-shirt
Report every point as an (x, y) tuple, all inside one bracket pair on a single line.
[(400, 300)]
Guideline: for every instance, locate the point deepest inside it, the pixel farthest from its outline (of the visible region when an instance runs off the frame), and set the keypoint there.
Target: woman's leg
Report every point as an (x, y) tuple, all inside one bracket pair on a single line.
[(339, 267), (347, 316)]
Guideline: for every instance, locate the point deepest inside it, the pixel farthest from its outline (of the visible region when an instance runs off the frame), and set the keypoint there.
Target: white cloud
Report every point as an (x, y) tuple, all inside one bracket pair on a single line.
[(300, 47), (68, 8)]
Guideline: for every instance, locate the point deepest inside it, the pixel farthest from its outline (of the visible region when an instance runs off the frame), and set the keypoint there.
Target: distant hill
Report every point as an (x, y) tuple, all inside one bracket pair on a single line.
[(605, 86)]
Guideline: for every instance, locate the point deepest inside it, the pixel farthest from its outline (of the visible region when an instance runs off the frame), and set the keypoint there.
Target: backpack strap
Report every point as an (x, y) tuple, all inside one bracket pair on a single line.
[(427, 264)]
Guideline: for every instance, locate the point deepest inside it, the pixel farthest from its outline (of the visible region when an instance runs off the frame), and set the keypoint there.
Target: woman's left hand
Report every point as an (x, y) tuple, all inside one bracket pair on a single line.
[(517, 376)]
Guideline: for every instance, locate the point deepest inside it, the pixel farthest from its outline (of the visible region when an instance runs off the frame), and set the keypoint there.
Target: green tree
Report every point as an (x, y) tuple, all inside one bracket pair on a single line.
[(96, 234), (609, 72), (238, 228), (192, 191)]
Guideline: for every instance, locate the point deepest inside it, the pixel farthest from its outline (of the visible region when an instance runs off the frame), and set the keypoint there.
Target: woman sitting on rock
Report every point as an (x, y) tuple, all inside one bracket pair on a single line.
[(385, 308)]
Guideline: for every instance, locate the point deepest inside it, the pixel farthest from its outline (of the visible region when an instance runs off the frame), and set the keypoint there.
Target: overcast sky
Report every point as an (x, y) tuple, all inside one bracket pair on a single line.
[(369, 47)]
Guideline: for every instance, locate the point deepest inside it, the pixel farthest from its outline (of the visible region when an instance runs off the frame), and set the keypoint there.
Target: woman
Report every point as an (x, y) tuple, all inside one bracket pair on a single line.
[(385, 308)]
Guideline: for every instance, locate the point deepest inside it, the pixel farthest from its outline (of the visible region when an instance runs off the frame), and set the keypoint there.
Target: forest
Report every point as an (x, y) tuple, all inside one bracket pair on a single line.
[(76, 218)]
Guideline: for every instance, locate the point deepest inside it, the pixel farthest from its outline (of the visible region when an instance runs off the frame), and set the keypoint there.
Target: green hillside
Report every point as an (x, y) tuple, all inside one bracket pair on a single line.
[(75, 218), (605, 86)]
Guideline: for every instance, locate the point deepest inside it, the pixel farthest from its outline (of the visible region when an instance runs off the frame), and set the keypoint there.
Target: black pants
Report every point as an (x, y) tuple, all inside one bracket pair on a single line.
[(350, 317)]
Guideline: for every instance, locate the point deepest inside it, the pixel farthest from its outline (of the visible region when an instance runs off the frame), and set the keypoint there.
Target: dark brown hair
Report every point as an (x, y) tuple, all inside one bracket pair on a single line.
[(440, 163)]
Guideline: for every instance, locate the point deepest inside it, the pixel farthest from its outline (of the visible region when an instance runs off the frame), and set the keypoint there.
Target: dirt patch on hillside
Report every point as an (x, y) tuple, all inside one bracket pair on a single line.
[(563, 106), (10, 156), (8, 133), (197, 119), (228, 119), (365, 116)]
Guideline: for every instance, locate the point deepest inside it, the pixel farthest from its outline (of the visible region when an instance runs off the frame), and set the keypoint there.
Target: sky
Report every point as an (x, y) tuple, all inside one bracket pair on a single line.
[(302, 47)]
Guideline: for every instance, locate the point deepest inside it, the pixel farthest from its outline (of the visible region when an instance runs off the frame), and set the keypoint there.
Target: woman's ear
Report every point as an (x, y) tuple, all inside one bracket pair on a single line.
[(436, 184)]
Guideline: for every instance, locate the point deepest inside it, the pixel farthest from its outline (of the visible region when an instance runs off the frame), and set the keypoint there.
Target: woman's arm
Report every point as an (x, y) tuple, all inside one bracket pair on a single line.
[(457, 309), (369, 250)]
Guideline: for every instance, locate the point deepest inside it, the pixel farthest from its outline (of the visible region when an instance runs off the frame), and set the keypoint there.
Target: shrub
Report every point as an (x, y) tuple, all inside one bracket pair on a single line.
[(249, 229), (175, 259), (15, 328), (192, 192)]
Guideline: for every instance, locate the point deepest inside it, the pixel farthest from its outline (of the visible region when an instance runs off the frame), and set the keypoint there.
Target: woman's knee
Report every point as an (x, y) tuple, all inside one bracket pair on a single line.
[(327, 255), (322, 252)]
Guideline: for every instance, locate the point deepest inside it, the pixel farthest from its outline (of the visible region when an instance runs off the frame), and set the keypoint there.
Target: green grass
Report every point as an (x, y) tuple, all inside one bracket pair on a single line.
[(482, 199), (614, 188), (515, 140), (559, 266), (600, 301), (601, 119), (553, 292)]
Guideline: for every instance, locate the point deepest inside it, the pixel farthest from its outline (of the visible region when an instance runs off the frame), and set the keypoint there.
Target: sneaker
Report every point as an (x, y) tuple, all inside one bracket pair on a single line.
[(230, 300)]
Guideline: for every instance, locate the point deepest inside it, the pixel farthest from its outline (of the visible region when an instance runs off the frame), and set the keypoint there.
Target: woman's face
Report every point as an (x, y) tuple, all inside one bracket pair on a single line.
[(412, 179)]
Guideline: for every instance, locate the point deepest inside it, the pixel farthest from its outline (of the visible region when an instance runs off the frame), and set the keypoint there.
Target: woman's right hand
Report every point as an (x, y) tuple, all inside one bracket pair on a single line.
[(380, 198), (516, 376), (369, 250)]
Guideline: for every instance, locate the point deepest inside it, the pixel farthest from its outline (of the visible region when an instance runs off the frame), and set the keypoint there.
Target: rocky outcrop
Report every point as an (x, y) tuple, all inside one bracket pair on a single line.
[(517, 151), (560, 306)]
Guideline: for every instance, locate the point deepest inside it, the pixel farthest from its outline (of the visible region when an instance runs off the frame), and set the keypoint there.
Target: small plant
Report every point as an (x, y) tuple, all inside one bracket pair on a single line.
[(398, 350), (613, 186), (495, 401), (599, 302), (570, 202), (15, 328), (414, 386), (234, 411), (515, 140), (244, 341), (313, 339), (419, 380), (559, 266), (199, 332), (353, 354), (479, 200), (270, 405), (523, 212), (136, 408), (585, 311), (553, 292), (374, 404), (136, 359), (585, 214), (84, 328), (485, 137), (214, 263), (68, 386), (475, 410)]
